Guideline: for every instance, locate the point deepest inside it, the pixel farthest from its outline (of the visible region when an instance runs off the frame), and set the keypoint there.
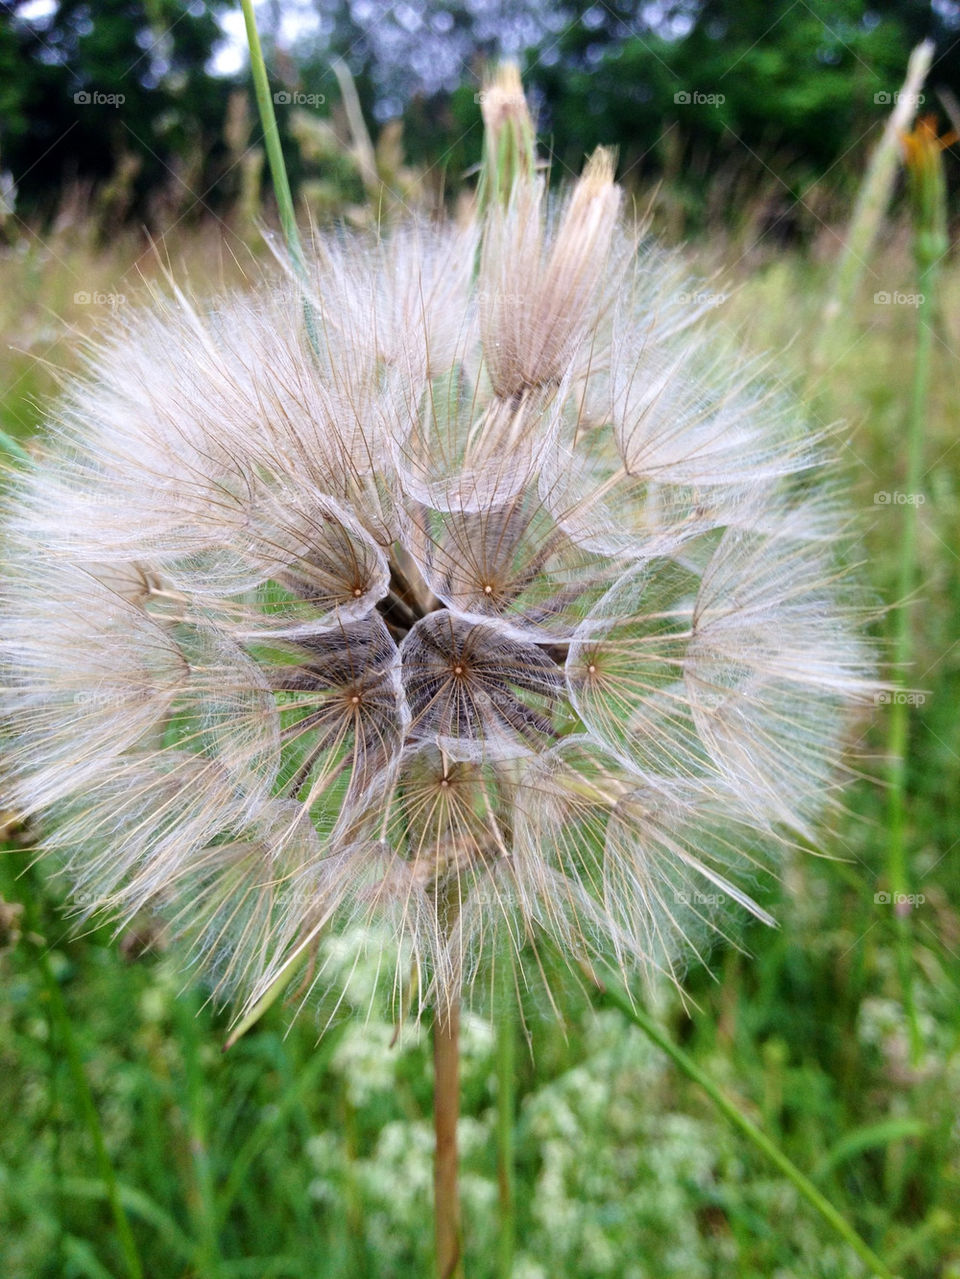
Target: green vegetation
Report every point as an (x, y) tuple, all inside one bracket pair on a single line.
[(124, 96)]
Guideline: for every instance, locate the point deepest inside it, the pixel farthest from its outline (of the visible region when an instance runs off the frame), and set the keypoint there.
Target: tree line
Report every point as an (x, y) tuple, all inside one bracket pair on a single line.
[(686, 89)]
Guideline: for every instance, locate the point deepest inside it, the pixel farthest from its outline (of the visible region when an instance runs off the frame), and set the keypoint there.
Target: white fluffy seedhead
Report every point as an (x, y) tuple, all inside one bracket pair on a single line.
[(471, 593)]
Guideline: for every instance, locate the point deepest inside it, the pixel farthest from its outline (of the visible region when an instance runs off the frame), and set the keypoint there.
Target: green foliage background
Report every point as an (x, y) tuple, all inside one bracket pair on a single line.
[(799, 81)]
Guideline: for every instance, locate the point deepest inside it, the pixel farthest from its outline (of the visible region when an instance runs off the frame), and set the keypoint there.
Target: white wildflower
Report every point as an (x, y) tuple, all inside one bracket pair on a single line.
[(475, 590)]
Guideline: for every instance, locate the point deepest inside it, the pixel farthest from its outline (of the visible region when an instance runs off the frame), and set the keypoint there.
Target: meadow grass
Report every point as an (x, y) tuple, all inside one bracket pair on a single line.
[(289, 1157)]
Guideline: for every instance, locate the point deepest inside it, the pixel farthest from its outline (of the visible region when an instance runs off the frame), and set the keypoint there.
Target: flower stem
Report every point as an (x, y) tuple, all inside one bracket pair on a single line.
[(873, 200), (927, 188), (278, 168), (506, 1066), (613, 993), (446, 1111), (271, 137), (202, 1198), (899, 728)]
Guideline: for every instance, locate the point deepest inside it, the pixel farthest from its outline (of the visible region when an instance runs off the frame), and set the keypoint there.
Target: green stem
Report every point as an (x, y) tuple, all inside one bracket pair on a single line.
[(613, 993), (61, 1019), (281, 185), (506, 1068), (14, 447), (271, 138), (899, 727), (202, 1197), (270, 1124), (873, 200)]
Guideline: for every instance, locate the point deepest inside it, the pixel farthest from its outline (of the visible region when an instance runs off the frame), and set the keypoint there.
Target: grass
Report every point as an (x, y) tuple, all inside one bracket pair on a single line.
[(289, 1158)]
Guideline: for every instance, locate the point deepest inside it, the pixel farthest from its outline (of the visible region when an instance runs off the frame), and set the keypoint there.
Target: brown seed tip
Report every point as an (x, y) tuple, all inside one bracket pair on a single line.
[(593, 206), (503, 101), (599, 171)]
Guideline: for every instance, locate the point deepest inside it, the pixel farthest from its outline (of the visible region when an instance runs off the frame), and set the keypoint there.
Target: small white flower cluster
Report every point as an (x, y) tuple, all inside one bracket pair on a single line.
[(473, 589)]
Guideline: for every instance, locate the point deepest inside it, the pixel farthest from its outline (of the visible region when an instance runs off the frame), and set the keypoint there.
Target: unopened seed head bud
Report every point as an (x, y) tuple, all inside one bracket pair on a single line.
[(509, 137)]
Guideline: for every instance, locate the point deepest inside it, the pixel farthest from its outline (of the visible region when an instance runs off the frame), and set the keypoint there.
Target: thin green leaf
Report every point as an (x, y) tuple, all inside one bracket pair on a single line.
[(613, 993)]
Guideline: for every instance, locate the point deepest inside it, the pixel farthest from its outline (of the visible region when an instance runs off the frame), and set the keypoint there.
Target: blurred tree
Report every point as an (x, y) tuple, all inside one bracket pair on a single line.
[(810, 77), (685, 88), (88, 91), (682, 87)]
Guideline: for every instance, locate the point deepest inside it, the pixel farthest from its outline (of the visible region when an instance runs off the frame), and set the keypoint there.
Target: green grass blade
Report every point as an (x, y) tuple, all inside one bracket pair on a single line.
[(278, 168), (61, 1019), (137, 1204), (278, 1115), (271, 137), (613, 993), (193, 1090), (506, 1032), (930, 244), (856, 1143)]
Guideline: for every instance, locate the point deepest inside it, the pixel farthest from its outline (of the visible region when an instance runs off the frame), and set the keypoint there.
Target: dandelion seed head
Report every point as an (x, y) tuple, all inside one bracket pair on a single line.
[(474, 592)]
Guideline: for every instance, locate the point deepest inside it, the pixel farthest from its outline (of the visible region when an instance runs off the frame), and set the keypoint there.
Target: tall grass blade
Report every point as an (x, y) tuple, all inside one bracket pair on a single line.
[(612, 992)]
